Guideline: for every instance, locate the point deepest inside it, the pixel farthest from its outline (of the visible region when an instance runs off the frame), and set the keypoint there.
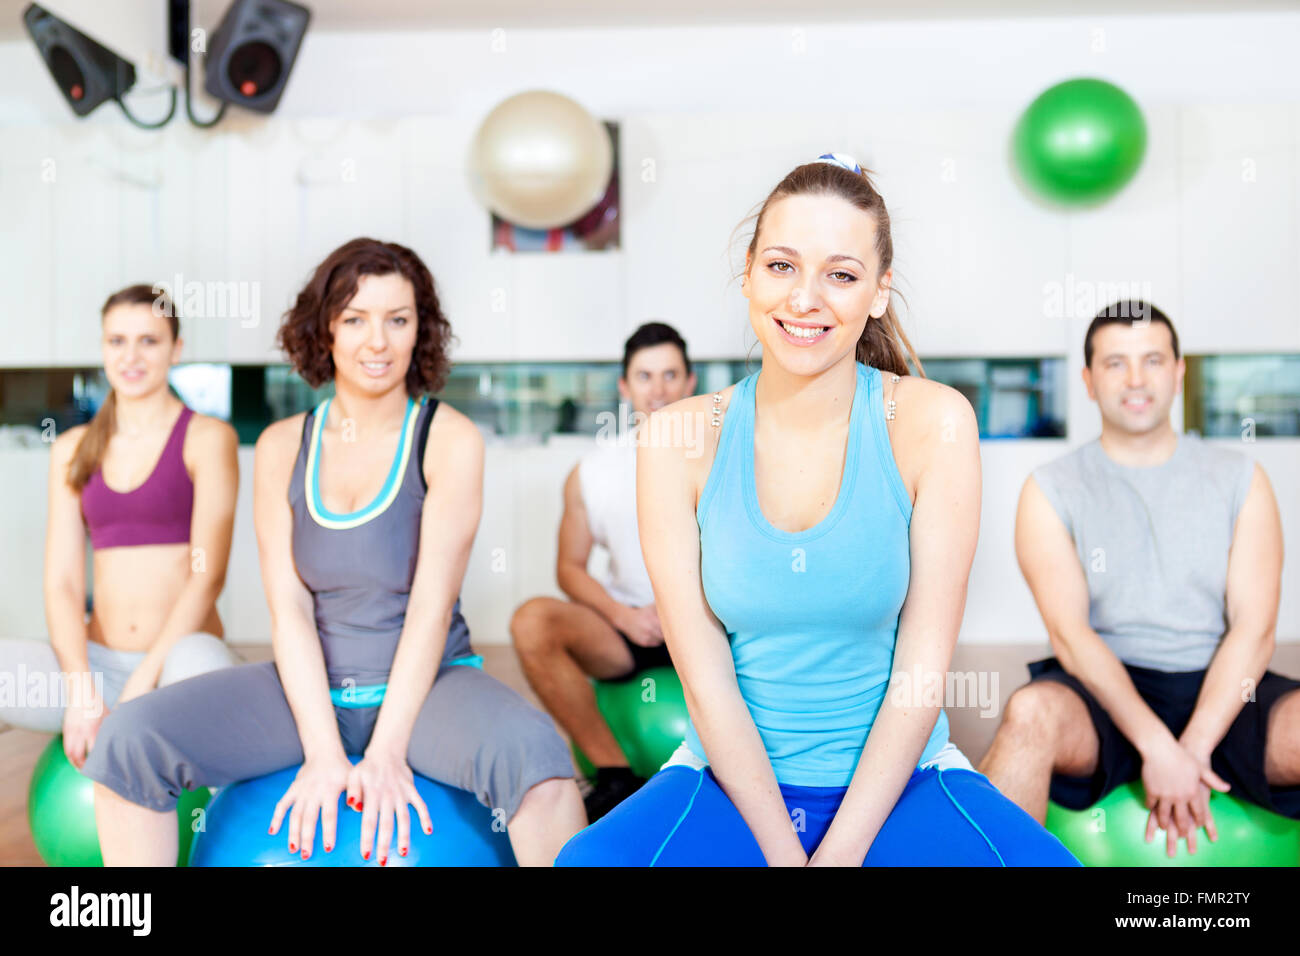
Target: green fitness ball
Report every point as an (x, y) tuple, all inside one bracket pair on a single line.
[(1113, 833), (647, 714), (61, 812), (1080, 141)]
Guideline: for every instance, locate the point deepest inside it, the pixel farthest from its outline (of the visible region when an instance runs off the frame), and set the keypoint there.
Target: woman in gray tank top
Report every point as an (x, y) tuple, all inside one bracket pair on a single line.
[(372, 655)]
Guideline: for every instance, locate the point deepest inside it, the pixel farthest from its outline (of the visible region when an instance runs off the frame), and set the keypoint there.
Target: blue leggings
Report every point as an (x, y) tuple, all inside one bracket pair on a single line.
[(681, 817)]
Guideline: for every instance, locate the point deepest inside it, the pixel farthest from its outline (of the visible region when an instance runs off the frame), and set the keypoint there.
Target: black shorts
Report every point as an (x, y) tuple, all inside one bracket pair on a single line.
[(644, 657), (1239, 758)]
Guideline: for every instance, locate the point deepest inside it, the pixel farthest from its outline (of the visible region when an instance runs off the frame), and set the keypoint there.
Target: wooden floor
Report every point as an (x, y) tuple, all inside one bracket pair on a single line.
[(1001, 667)]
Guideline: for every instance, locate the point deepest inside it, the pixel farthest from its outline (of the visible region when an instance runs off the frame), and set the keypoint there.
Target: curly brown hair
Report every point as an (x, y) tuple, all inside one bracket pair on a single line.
[(304, 333)]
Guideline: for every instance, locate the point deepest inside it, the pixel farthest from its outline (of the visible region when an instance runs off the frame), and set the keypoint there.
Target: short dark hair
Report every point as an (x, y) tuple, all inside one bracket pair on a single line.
[(1126, 313), (304, 334), (653, 333)]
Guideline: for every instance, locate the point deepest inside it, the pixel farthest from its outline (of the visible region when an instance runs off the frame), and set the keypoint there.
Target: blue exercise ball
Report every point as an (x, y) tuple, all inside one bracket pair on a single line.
[(235, 825)]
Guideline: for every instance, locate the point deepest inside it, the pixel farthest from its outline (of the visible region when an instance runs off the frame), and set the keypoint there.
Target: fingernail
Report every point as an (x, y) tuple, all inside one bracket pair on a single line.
[(383, 861), (328, 847), (428, 829), (304, 854), (358, 804), (366, 855), (271, 830), (292, 848), (402, 851)]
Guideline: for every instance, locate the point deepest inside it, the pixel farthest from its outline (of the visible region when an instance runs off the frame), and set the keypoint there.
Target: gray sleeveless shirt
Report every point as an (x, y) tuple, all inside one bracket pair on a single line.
[(1154, 544), (359, 566)]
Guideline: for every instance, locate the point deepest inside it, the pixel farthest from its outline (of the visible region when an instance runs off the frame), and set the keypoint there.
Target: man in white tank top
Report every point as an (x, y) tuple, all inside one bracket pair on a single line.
[(607, 629), (1155, 559)]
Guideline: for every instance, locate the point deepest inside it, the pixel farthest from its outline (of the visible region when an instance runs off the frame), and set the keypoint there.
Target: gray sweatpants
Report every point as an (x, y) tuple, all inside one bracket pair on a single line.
[(472, 732), (34, 691)]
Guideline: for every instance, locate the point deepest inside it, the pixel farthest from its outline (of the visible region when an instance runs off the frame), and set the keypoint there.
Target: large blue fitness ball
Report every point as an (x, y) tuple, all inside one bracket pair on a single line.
[(234, 832)]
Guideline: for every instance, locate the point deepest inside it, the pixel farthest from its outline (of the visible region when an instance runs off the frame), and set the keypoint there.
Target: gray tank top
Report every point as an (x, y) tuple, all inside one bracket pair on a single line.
[(1154, 544), (359, 566)]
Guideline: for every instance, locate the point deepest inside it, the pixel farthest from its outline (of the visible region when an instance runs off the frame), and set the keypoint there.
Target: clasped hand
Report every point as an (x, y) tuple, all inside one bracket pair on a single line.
[(1177, 782), (380, 788)]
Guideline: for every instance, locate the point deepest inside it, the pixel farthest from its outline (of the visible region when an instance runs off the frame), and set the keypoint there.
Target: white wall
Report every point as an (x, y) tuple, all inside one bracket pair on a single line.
[(371, 138)]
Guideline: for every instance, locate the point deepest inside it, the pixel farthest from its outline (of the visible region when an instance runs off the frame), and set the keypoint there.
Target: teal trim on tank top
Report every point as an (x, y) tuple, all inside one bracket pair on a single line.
[(372, 695), (385, 495)]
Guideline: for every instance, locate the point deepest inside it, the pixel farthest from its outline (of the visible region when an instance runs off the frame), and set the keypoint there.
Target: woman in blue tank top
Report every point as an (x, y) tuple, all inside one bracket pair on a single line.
[(809, 553)]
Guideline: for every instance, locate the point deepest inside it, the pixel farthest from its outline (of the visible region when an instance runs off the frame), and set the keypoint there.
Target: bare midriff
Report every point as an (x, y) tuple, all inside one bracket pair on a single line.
[(135, 590)]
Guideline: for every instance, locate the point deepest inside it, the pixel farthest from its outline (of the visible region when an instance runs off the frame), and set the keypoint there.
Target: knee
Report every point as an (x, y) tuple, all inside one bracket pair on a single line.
[(1032, 712), (127, 755), (195, 654), (532, 627), (532, 759)]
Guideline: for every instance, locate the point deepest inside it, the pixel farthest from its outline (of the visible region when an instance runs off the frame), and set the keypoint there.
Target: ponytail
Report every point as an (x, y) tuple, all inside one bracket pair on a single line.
[(94, 441)]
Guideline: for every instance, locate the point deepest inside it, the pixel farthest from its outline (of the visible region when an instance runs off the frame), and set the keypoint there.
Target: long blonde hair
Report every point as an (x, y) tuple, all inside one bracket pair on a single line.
[(884, 344), (94, 441)]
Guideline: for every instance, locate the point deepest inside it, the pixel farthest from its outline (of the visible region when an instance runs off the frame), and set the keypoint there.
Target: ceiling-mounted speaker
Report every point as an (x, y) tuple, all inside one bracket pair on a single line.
[(86, 73), (252, 52)]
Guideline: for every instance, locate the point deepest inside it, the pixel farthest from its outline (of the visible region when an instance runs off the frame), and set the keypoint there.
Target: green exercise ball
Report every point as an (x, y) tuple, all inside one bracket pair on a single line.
[(1113, 833), (647, 714), (1080, 141), (61, 812)]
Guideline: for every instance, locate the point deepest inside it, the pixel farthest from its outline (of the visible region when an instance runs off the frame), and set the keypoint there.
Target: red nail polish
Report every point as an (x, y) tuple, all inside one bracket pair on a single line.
[(304, 854), (366, 855), (358, 804), (328, 847), (402, 851), (383, 861), (292, 848), (271, 830), (428, 829)]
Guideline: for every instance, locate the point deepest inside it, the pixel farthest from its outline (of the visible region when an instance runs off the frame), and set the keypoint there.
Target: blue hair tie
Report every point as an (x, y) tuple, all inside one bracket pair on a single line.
[(842, 160)]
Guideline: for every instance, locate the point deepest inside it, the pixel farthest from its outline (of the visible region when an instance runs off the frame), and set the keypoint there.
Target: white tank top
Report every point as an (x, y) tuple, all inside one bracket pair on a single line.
[(607, 477)]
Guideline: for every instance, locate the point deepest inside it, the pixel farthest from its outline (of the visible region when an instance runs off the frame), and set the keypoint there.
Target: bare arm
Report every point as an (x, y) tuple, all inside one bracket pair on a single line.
[(670, 543), (213, 461), (574, 549), (943, 533), (298, 655), (449, 520), (65, 602), (65, 561), (1254, 588)]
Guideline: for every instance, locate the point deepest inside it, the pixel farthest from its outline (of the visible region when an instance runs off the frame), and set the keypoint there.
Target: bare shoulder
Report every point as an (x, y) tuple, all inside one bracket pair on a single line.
[(65, 444), (933, 410), (450, 425), (681, 439), (453, 436), (279, 442), (212, 433)]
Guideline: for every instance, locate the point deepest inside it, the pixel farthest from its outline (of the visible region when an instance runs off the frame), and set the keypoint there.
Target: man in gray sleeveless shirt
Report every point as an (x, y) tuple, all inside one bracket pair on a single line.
[(1155, 559)]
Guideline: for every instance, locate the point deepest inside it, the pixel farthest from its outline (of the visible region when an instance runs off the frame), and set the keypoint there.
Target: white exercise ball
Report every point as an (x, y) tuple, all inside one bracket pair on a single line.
[(540, 160)]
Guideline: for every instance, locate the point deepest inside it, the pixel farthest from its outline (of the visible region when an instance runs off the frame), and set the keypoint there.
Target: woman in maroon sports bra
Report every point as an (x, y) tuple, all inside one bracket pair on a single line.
[(153, 484)]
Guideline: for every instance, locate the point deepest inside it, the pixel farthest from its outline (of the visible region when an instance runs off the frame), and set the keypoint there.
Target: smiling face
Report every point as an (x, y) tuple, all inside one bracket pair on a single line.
[(138, 349), (374, 334), (1134, 375), (656, 376), (812, 283)]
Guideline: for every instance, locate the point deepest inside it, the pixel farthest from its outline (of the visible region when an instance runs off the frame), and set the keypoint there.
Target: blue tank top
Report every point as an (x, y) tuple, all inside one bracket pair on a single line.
[(811, 616)]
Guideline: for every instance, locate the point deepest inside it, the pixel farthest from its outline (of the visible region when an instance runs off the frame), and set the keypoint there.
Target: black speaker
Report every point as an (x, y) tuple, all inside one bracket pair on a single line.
[(87, 74), (253, 50)]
